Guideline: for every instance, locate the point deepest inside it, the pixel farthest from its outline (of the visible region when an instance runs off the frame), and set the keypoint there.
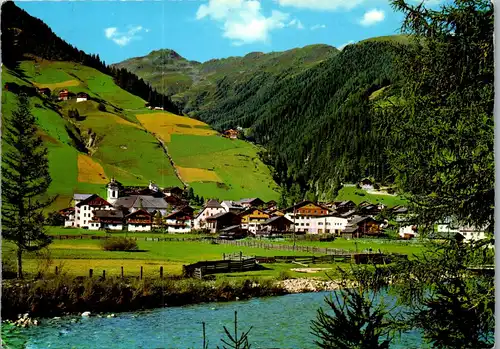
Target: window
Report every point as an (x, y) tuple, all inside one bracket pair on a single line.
[(320, 231), (320, 223), (307, 224), (302, 224), (327, 231)]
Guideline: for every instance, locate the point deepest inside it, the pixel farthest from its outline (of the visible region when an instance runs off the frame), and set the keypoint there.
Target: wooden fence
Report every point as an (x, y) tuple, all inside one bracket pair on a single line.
[(201, 269), (284, 247)]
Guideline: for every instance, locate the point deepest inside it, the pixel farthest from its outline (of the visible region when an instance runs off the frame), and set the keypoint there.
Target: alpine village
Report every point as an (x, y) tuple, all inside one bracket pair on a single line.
[(309, 196)]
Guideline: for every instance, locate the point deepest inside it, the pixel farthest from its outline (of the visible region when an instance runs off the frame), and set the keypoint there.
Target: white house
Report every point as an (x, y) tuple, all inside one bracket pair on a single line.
[(106, 219), (211, 208), (140, 220), (408, 231), (81, 97), (472, 233), (231, 206), (178, 222), (85, 209), (328, 224)]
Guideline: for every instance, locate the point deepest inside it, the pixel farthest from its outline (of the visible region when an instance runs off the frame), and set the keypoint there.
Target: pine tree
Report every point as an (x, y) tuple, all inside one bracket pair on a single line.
[(25, 180)]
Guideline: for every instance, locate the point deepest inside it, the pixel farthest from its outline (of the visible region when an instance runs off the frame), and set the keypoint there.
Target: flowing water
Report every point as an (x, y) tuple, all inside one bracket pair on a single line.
[(277, 322)]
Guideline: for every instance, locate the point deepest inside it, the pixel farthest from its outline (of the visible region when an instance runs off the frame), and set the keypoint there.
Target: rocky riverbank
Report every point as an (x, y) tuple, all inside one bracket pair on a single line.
[(308, 285)]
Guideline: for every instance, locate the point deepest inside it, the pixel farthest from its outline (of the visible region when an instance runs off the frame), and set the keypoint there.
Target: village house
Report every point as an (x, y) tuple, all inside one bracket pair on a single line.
[(179, 222), (173, 191), (45, 91), (278, 225), (132, 203), (231, 206), (232, 232), (85, 209), (69, 216), (272, 205), (140, 220), (302, 214), (408, 232), (328, 224), (106, 219), (222, 220), (471, 233), (212, 207), (251, 202), (64, 95), (366, 184), (361, 226), (233, 134), (81, 97), (343, 206), (252, 219)]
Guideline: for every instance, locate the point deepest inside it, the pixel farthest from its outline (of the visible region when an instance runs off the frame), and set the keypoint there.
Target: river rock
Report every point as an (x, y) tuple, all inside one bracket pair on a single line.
[(86, 314), (110, 315)]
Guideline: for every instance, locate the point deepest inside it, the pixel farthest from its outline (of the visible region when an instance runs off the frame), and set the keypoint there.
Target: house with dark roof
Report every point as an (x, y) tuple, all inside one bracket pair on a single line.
[(81, 97), (277, 225), (173, 191), (85, 210), (252, 218), (232, 206), (222, 220), (360, 226), (45, 91), (212, 207), (106, 219), (303, 213), (136, 202), (140, 220), (179, 221), (251, 202)]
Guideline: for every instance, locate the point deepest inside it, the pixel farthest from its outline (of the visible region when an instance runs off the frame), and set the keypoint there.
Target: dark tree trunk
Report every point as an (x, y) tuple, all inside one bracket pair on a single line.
[(19, 263)]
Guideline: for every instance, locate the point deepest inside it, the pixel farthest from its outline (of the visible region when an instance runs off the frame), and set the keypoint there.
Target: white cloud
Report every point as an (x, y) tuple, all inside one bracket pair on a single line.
[(295, 23), (124, 38), (243, 21), (341, 47), (372, 17), (322, 5), (318, 26)]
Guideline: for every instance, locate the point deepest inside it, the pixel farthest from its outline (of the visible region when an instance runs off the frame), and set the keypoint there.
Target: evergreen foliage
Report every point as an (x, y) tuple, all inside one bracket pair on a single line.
[(25, 180)]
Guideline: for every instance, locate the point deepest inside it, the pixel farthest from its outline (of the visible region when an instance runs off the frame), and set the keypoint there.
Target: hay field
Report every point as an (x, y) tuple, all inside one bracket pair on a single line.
[(190, 174), (165, 124), (90, 171), (57, 85)]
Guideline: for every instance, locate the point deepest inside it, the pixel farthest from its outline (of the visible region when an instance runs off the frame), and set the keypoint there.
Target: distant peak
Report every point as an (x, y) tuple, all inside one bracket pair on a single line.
[(166, 52)]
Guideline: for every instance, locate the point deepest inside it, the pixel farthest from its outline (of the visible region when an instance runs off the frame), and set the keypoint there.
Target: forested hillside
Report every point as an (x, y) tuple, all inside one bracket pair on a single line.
[(313, 110)]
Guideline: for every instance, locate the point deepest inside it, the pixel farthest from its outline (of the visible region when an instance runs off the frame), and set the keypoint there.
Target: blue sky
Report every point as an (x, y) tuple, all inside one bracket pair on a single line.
[(205, 29)]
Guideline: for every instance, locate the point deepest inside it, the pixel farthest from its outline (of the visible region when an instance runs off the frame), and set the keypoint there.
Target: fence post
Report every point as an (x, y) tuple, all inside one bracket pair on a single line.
[(224, 256), (241, 255), (104, 274), (91, 271), (57, 271), (161, 272), (122, 272), (141, 271)]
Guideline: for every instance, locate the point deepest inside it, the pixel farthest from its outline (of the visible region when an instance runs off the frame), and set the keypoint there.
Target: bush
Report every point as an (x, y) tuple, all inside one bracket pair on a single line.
[(101, 107), (119, 244), (55, 219), (284, 275), (376, 186)]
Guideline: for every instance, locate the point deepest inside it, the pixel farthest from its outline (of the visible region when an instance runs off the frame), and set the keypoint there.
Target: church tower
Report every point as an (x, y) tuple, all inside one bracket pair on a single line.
[(113, 191)]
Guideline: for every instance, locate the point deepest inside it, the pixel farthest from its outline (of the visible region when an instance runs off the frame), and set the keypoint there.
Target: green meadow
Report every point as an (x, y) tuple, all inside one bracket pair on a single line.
[(123, 148), (360, 195), (236, 162)]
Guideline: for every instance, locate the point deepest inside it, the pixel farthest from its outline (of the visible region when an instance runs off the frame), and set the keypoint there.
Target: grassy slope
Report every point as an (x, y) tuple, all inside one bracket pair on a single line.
[(124, 149), (352, 193)]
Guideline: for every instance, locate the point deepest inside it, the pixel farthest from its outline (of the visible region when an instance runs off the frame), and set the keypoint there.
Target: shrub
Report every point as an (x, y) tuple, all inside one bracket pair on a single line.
[(101, 107), (284, 275), (119, 244), (55, 219), (376, 186)]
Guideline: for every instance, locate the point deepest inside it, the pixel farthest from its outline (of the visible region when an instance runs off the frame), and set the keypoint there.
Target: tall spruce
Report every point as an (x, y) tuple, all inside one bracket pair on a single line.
[(442, 159), (25, 180)]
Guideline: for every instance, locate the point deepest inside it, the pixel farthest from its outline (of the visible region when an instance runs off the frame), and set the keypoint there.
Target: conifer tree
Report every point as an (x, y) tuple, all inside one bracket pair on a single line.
[(25, 180)]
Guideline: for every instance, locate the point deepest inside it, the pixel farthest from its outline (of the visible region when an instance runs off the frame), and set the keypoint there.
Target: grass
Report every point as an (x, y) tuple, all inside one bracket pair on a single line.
[(123, 148), (235, 162), (360, 195)]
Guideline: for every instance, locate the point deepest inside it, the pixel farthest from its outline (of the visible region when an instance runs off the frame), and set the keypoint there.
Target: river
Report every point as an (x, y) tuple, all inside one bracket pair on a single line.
[(277, 322)]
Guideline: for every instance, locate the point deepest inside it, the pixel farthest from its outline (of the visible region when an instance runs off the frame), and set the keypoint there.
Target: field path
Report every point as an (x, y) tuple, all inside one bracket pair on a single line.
[(165, 150)]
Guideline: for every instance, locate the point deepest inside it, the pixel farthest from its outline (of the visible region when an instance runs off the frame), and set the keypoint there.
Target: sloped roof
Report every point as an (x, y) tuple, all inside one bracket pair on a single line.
[(108, 214), (91, 198), (135, 213), (81, 196), (233, 205), (359, 219), (213, 204), (233, 227), (218, 215), (147, 202), (273, 219), (248, 200)]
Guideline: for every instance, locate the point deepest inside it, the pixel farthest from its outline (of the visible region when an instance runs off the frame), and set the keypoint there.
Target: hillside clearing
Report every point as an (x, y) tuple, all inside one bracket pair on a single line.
[(197, 175), (56, 85), (90, 171)]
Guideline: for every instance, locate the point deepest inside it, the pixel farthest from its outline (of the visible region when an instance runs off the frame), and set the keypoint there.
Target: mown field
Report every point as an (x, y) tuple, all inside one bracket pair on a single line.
[(360, 195), (213, 165), (75, 257), (123, 148)]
